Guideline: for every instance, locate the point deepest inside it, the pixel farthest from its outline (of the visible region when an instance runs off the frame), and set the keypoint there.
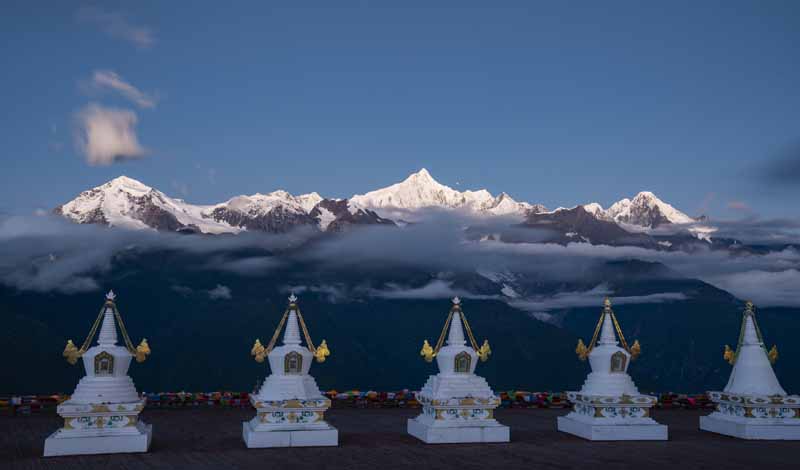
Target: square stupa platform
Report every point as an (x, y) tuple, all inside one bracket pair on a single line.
[(625, 418), (754, 417), (290, 423), (99, 429), (458, 421)]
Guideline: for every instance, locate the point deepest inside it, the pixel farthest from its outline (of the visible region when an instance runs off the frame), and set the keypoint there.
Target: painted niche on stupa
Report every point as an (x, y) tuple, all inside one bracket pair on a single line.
[(462, 362), (618, 362), (103, 364), (293, 363)]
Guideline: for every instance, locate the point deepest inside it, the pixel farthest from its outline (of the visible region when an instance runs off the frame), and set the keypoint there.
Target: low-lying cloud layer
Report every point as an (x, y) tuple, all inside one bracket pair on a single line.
[(46, 253)]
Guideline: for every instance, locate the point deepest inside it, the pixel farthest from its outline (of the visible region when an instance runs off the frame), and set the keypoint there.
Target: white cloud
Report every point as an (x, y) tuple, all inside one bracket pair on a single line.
[(109, 80), (436, 289), (116, 25), (220, 292), (182, 290), (590, 298), (332, 293), (108, 135), (764, 288)]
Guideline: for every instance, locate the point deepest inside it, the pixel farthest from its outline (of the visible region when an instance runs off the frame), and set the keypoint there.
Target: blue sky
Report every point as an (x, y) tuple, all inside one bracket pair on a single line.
[(558, 103)]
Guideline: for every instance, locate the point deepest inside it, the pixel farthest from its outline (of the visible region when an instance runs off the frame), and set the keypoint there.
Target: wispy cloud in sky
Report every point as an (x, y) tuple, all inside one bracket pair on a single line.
[(116, 25), (436, 289), (109, 80), (220, 292), (765, 288), (107, 135), (591, 298)]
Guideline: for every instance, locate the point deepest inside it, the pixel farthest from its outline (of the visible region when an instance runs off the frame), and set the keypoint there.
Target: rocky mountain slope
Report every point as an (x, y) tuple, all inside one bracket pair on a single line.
[(644, 210)]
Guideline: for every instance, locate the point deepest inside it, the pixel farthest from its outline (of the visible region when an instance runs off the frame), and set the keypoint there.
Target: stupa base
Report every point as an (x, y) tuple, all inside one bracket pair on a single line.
[(61, 443), (289, 423), (612, 418), (320, 437), (776, 429), (594, 431), (433, 434), (761, 417)]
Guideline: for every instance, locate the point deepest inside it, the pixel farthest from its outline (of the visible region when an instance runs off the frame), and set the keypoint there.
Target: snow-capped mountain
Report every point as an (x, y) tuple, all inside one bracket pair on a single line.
[(125, 202), (578, 224), (421, 191), (644, 210), (275, 212)]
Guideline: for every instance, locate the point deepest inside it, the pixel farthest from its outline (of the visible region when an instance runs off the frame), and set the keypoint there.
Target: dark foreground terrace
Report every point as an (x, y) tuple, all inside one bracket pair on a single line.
[(376, 439)]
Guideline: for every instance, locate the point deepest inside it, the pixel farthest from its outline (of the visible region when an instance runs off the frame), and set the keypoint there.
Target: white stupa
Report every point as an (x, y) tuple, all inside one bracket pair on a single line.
[(753, 404), (102, 416), (290, 408), (457, 405), (609, 407)]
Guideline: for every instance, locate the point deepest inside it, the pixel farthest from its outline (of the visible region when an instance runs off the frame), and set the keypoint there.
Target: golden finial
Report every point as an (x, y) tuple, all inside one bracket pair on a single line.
[(484, 351), (729, 355), (582, 351), (258, 351), (142, 351), (748, 306), (71, 352), (322, 351), (773, 354), (427, 351), (607, 303), (636, 349)]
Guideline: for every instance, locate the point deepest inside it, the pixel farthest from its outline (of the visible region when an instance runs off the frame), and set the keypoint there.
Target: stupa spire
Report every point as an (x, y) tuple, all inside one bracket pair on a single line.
[(607, 335), (108, 332), (456, 335), (291, 336), (750, 336)]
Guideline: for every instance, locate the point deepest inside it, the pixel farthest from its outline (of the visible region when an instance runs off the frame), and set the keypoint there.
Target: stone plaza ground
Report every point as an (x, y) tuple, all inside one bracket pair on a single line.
[(376, 439)]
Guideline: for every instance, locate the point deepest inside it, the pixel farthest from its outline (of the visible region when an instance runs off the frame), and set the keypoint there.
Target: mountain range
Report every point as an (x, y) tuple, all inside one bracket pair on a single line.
[(125, 202)]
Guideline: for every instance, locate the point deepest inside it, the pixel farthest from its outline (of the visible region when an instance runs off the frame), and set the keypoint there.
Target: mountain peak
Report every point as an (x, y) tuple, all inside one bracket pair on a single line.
[(646, 197), (420, 190), (646, 210), (422, 173), (421, 178), (125, 182)]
